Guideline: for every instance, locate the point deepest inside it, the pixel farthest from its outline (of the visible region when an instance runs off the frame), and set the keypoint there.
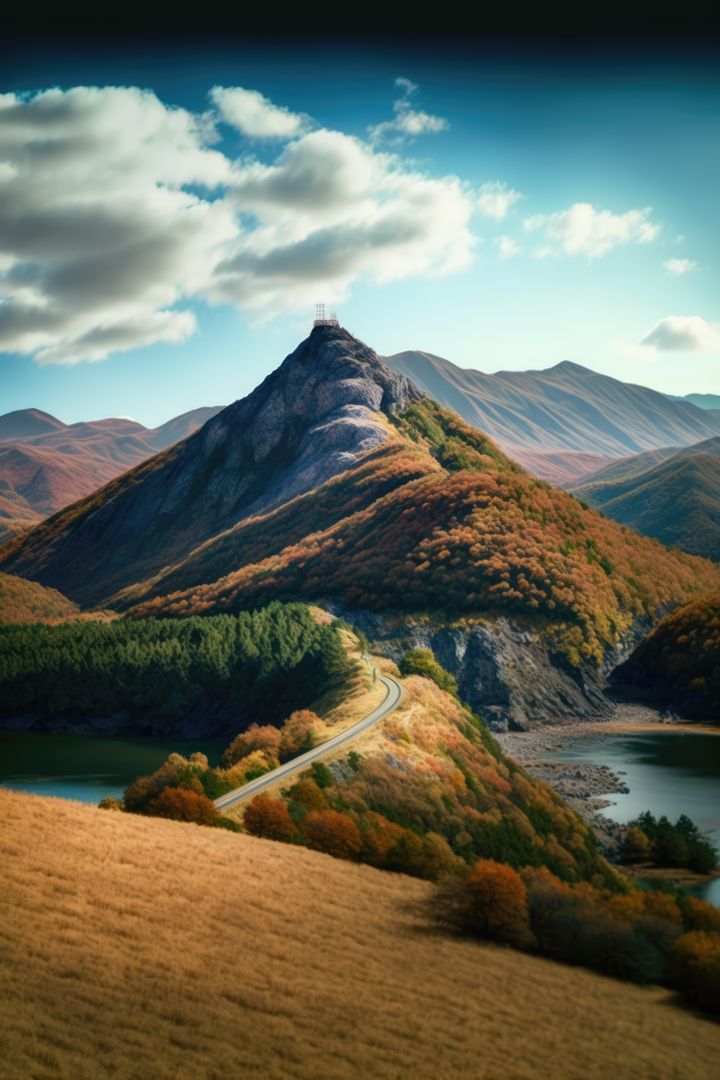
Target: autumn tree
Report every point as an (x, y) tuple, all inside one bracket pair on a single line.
[(270, 818), (332, 832), (696, 967), (302, 730), (265, 737), (637, 846), (496, 900), (182, 805)]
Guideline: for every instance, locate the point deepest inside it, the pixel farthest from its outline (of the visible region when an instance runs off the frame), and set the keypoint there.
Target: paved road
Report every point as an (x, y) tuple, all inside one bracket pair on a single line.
[(391, 701)]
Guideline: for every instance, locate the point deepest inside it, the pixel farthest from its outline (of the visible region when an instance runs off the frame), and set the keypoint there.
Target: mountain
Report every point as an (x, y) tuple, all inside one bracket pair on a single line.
[(677, 666), (46, 464), (337, 480), (24, 423), (561, 468), (671, 494), (702, 401), (565, 408)]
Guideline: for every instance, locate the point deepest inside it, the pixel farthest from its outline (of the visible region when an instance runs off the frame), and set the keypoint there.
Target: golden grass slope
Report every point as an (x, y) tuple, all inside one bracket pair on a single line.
[(142, 948)]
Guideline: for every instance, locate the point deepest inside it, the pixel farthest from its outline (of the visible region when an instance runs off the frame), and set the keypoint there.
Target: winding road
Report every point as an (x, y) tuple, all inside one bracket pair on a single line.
[(391, 700)]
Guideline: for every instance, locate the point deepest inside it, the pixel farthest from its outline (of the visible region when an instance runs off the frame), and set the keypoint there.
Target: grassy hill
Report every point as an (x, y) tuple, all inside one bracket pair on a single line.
[(675, 499), (677, 666), (29, 602), (136, 947)]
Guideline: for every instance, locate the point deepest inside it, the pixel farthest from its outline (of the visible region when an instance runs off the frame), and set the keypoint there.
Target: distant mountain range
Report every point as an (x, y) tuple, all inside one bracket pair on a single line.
[(337, 480), (672, 494), (703, 401), (562, 423), (45, 464)]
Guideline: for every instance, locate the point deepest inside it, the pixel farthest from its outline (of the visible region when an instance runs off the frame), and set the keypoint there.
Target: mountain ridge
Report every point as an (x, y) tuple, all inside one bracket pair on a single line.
[(46, 464), (567, 408), (673, 495)]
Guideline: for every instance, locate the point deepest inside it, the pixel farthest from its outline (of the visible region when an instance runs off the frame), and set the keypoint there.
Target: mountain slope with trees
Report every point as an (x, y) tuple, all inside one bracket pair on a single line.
[(675, 499), (677, 666)]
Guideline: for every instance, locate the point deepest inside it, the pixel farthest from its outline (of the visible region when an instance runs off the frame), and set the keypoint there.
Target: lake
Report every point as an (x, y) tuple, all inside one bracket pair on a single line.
[(86, 767), (671, 773)]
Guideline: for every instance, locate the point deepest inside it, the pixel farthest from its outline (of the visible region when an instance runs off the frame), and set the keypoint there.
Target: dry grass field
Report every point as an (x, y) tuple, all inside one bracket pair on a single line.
[(142, 948)]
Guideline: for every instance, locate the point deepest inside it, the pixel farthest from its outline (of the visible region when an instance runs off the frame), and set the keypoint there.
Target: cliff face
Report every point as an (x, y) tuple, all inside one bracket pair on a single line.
[(309, 420)]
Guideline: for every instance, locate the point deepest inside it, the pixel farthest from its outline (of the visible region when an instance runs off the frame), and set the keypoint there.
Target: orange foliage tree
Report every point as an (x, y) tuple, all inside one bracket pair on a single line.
[(497, 899), (696, 967), (270, 818), (181, 804), (332, 832)]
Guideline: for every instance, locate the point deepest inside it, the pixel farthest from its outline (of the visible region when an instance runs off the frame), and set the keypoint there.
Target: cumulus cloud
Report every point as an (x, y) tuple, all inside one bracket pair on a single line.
[(98, 238), (495, 199), (117, 210), (407, 122), (583, 230), (683, 333), (255, 115), (507, 247), (331, 208), (678, 267)]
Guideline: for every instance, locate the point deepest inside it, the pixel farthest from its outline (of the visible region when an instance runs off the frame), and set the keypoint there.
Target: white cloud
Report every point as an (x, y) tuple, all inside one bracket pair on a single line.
[(407, 122), (583, 230), (117, 210), (331, 208), (496, 198), (255, 115), (98, 238), (683, 333), (507, 247), (678, 267)]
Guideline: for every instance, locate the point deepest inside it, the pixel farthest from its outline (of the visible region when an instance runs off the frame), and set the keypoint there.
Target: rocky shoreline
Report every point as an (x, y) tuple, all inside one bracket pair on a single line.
[(584, 785)]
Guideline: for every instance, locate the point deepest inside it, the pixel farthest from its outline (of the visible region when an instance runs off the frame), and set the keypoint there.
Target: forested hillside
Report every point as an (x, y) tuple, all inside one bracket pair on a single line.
[(675, 499), (174, 675), (439, 520), (677, 666), (28, 602)]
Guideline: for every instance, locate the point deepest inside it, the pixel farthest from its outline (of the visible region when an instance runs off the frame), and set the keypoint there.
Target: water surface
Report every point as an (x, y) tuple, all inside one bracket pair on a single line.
[(86, 767), (671, 773)]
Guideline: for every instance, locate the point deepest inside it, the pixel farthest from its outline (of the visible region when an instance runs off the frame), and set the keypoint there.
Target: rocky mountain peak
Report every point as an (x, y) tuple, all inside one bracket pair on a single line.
[(309, 420)]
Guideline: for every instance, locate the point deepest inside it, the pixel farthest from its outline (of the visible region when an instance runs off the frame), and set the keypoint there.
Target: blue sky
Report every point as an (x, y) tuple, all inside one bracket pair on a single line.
[(501, 207)]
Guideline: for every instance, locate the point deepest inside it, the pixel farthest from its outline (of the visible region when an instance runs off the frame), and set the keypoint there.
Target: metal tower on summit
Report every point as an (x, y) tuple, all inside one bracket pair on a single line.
[(321, 319)]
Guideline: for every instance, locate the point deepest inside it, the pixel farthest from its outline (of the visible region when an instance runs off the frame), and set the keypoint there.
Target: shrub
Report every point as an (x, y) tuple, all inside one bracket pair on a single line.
[(696, 967), (182, 805), (308, 795), (263, 737), (111, 803), (269, 818), (332, 832), (699, 915), (302, 730), (496, 900), (636, 845), (322, 775), (423, 662)]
